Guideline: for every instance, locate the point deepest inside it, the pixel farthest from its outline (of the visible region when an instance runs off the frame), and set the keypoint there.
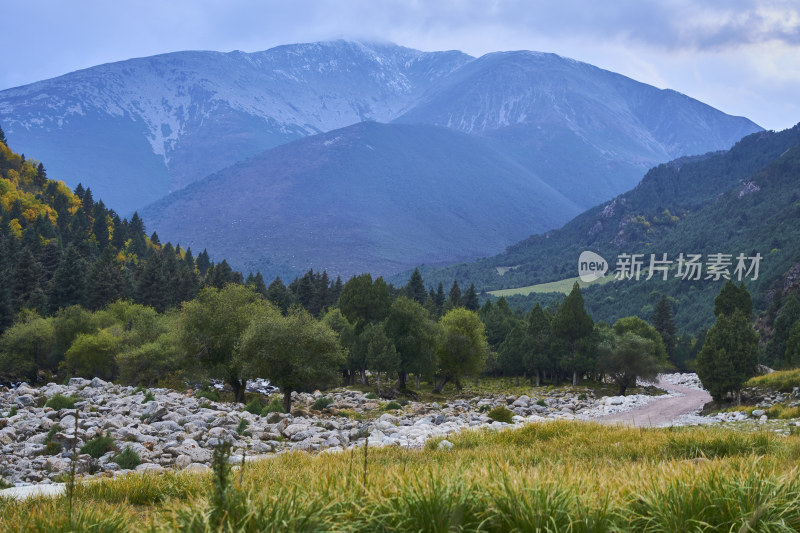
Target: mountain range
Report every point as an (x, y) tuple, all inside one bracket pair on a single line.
[(261, 157)]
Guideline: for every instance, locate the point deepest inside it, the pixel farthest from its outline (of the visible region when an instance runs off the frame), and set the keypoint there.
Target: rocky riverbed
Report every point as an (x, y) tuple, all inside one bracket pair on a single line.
[(170, 429)]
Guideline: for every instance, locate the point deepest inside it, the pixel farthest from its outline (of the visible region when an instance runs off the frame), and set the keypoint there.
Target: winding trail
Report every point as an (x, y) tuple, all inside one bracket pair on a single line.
[(663, 410)]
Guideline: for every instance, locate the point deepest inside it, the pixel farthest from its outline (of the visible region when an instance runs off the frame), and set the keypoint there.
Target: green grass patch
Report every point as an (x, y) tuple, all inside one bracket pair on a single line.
[(500, 414), (563, 286), (98, 446), (58, 402), (321, 403), (552, 476), (254, 407), (782, 380), (208, 394), (128, 459), (275, 406)]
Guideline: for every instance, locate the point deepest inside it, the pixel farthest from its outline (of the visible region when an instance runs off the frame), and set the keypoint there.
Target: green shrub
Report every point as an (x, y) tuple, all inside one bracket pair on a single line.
[(98, 446), (321, 403), (541, 402), (274, 406), (12, 411), (242, 426), (148, 397), (501, 414), (51, 448), (254, 407), (391, 406), (58, 402), (371, 396), (128, 459), (5, 484), (208, 394)]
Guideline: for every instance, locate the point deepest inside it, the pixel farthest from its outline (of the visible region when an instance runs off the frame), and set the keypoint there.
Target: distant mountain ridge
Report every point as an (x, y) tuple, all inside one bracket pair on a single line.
[(153, 125), (367, 198)]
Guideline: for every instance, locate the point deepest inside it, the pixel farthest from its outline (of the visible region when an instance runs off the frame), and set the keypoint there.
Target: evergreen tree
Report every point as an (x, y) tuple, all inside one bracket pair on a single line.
[(26, 279), (69, 281), (732, 298), (455, 295), (106, 282), (258, 284), (203, 263), (41, 175), (279, 295), (440, 299), (729, 356), (416, 288), (540, 357), (470, 300), (3, 136), (100, 225), (664, 324), (572, 324), (788, 316)]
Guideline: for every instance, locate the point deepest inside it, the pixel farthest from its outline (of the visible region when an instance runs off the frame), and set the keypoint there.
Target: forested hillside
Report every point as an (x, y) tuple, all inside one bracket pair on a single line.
[(60, 248), (744, 200)]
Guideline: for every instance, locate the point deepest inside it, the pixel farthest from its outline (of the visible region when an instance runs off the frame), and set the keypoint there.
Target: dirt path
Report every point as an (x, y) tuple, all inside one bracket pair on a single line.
[(662, 410)]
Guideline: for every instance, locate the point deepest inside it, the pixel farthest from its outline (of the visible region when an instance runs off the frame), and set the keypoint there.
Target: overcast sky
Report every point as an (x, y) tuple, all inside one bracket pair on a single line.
[(740, 56)]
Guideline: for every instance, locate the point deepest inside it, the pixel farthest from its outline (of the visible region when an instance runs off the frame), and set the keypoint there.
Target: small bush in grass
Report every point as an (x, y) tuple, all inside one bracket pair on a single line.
[(98, 446), (371, 396), (208, 394), (148, 397), (274, 406), (541, 402), (59, 401), (51, 448), (321, 403), (501, 414), (128, 459), (254, 407), (242, 426), (391, 406)]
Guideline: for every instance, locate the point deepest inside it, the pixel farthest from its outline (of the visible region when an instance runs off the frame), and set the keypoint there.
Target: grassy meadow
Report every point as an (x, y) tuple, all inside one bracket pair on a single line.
[(563, 286), (555, 476)]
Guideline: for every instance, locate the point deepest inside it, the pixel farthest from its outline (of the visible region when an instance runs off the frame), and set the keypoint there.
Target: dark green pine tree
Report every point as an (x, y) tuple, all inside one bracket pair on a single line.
[(732, 298), (26, 280), (665, 325), (88, 200), (440, 298), (6, 308), (137, 236), (152, 287), (787, 317), (154, 239), (106, 282), (100, 225), (69, 281), (257, 283), (280, 295), (41, 176), (470, 299), (219, 275), (323, 294), (729, 356), (203, 263), (416, 287), (571, 325), (455, 295), (49, 258), (79, 191), (3, 136)]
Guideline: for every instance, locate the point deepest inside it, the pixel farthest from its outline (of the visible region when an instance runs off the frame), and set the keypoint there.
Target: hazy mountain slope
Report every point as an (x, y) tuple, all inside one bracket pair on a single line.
[(589, 132), (153, 125), (745, 200), (367, 198)]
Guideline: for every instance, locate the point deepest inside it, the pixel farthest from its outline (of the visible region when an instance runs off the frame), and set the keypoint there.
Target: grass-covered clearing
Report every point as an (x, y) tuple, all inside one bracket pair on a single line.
[(563, 286), (559, 476), (783, 380)]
